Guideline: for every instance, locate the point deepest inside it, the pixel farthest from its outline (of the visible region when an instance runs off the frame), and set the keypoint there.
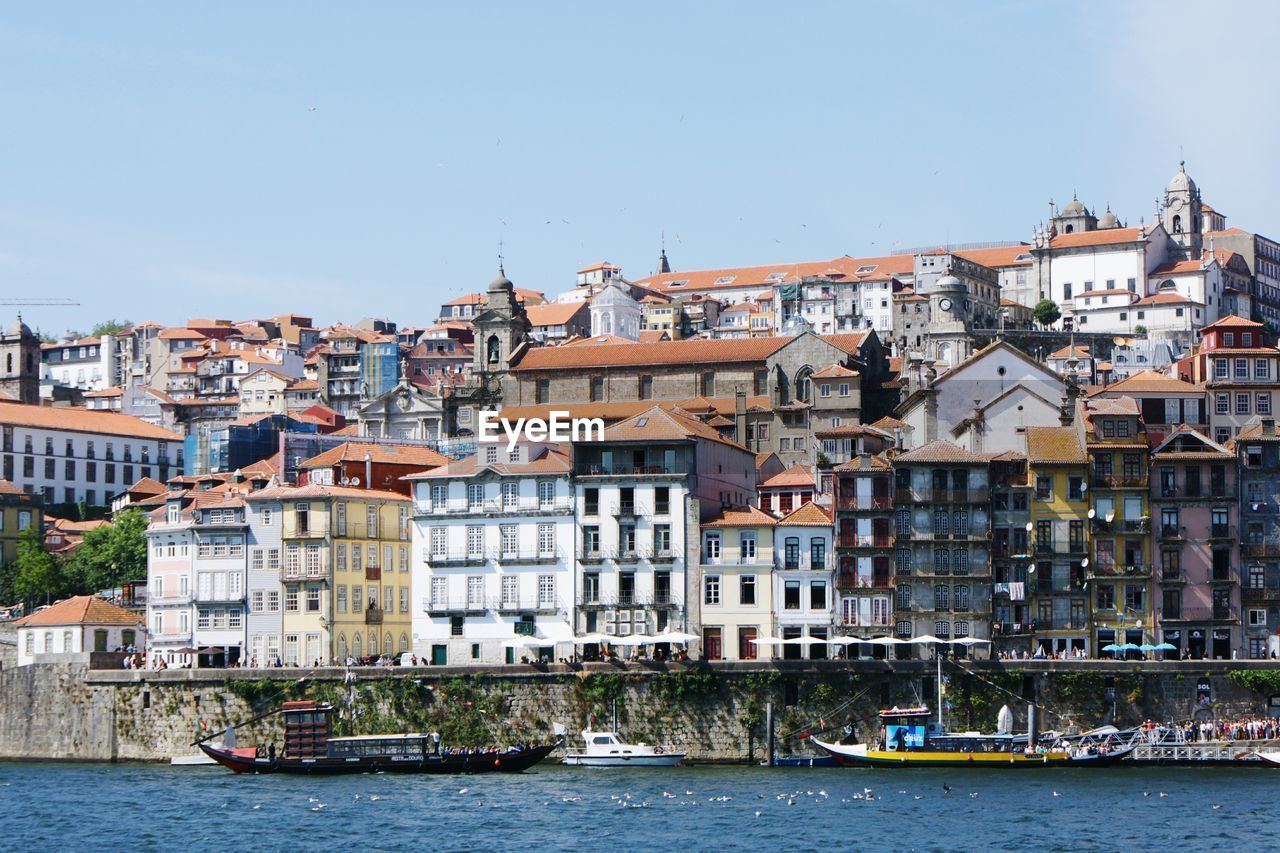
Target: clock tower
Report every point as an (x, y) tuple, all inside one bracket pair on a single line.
[(949, 338), (1181, 212)]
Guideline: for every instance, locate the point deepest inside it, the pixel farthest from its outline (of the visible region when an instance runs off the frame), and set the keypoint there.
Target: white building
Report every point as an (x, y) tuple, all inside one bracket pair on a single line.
[(69, 455), (196, 575), (263, 590), (614, 312), (804, 581), (84, 364), (78, 625), (493, 557)]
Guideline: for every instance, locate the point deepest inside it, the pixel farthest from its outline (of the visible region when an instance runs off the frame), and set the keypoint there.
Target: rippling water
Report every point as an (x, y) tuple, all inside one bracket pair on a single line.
[(135, 806)]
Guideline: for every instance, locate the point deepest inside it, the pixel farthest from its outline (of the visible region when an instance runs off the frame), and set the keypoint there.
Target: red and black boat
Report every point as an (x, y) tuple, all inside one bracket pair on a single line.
[(309, 749)]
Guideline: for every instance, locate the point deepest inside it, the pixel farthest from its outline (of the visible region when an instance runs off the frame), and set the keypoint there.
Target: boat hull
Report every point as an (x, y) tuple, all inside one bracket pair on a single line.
[(666, 759), (504, 762), (859, 755)]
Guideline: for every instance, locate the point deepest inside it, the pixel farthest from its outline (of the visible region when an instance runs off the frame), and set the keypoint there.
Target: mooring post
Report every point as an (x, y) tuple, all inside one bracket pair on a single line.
[(768, 727)]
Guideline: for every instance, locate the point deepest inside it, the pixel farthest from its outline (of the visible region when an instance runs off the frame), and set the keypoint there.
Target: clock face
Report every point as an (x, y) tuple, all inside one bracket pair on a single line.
[(944, 304), (1176, 204)]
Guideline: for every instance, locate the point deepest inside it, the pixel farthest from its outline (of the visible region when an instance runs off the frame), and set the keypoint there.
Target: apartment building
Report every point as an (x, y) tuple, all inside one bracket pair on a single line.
[(863, 506), (738, 568)]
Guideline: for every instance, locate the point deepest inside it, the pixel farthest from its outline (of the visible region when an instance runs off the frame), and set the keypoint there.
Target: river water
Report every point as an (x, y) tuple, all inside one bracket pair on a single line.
[(153, 807)]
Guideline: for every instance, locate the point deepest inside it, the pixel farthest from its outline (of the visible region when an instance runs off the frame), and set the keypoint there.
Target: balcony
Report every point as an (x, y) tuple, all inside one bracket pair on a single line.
[(863, 503), (217, 598), (656, 600), (1170, 531), (531, 604), (595, 555), (1224, 613), (855, 622), (627, 510), (1119, 481), (293, 532), (865, 541), (805, 562), (308, 573), (1252, 595), (1013, 629), (522, 555), (373, 616), (521, 506), (1221, 531), (624, 471), (1260, 548), (1062, 549), (452, 606), (853, 580), (1068, 624)]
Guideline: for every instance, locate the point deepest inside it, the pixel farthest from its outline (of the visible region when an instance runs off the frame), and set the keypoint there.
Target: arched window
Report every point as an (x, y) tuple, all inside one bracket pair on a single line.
[(404, 642), (1070, 228), (387, 647), (944, 352), (8, 363), (48, 641), (356, 651), (342, 648), (803, 386), (373, 644), (494, 349), (1177, 225)]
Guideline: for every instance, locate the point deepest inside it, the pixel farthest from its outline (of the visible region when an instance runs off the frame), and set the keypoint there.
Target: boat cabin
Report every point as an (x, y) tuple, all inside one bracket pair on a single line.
[(607, 743), (910, 729), (306, 729)]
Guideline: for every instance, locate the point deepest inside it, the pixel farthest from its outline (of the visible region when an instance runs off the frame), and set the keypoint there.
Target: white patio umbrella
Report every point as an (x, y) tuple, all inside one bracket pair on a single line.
[(847, 640), (526, 643), (886, 641), (971, 641), (674, 637), (926, 639), (632, 640), (805, 640), (768, 641), (592, 638)]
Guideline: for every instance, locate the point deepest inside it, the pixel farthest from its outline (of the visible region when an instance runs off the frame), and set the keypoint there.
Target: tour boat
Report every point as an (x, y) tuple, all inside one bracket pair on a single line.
[(910, 739), (1269, 757), (606, 749), (308, 748)]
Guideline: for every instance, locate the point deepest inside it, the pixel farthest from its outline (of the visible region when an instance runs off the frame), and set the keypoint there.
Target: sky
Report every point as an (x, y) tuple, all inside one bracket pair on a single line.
[(161, 161)]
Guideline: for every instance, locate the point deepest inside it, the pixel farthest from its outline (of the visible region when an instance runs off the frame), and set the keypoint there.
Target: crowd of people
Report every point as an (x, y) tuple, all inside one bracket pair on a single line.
[(1248, 728)]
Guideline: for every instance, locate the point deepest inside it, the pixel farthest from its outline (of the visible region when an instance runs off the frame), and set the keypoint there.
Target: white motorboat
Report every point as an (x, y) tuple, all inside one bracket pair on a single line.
[(607, 749), (1271, 757), (192, 760)]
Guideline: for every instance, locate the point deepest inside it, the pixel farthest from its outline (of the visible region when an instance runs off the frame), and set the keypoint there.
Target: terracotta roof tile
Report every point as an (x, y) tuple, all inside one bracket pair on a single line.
[(747, 516), (865, 463), (1054, 446), (943, 452), (82, 420), (554, 313), (81, 610), (659, 424), (835, 371), (1072, 352), (807, 514), (701, 351), (758, 276), (796, 475), (1148, 381), (1232, 321), (313, 490), (388, 454), (1105, 237)]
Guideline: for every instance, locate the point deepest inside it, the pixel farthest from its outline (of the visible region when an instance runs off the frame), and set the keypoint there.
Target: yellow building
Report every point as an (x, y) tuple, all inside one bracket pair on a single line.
[(345, 572), (737, 584), (1059, 517), (18, 511)]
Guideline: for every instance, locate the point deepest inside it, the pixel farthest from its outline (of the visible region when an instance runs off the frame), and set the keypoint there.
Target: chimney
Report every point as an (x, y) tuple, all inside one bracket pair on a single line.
[(978, 426), (740, 417), (1269, 427), (368, 469)]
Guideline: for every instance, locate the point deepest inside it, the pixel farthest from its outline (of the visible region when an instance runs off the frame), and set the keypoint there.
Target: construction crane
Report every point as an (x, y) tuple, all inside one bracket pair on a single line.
[(51, 301)]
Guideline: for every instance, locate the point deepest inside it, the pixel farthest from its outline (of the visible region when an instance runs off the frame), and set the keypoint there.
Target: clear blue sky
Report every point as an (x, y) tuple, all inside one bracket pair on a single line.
[(162, 160)]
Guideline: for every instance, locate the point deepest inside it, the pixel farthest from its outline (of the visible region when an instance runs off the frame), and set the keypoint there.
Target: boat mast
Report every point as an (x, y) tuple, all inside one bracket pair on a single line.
[(937, 653)]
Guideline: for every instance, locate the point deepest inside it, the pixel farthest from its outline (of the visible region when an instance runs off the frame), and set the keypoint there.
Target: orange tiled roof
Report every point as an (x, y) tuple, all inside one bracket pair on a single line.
[(1054, 446), (942, 452), (549, 461), (1072, 352), (659, 424), (1164, 299), (553, 313), (389, 454), (82, 420), (1233, 321), (1000, 256), (313, 490), (808, 514), (879, 268), (1178, 268), (850, 342), (864, 463), (81, 610), (1105, 237), (835, 371), (1148, 381), (796, 475), (698, 351), (746, 516)]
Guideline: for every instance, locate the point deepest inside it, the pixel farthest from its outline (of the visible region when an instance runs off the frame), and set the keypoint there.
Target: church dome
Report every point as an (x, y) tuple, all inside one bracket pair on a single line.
[(19, 328), (1108, 220), (1073, 208), (796, 325), (612, 294), (1182, 182), (949, 282), (501, 282)]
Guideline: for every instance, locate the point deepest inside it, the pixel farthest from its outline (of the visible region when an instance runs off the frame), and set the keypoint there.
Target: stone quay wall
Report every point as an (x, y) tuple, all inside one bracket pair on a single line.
[(714, 711)]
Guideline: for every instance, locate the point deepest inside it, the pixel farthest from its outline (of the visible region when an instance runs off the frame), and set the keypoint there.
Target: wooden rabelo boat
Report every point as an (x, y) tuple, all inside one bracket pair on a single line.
[(309, 749)]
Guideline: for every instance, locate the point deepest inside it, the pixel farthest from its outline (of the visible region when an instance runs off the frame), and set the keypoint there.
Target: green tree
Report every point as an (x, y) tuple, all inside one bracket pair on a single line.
[(111, 327), (39, 576), (1139, 329), (113, 553), (1046, 312)]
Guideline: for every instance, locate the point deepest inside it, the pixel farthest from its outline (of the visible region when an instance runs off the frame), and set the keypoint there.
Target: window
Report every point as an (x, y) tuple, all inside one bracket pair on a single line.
[(961, 597), (591, 501), (341, 598), (1220, 368), (1242, 404), (546, 539), (1260, 370), (1044, 487), (662, 500), (746, 546), (711, 589), (1222, 404), (791, 595), (546, 590), (438, 540), (475, 495), (546, 493), (1075, 488), (597, 389), (507, 535), (711, 547), (1242, 368), (747, 590), (817, 595), (1264, 403), (1257, 618), (824, 390), (941, 596), (291, 600)]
